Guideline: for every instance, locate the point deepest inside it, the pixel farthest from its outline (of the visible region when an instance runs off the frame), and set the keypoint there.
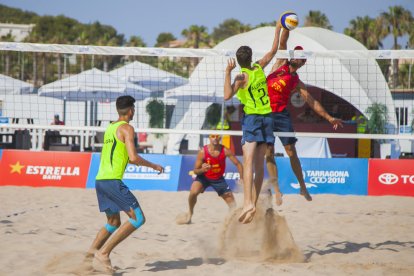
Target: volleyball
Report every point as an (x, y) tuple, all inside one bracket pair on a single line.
[(289, 20)]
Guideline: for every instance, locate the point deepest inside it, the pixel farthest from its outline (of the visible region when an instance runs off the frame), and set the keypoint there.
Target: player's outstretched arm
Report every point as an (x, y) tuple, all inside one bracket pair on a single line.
[(317, 107), (231, 89), (265, 60), (282, 46), (127, 134)]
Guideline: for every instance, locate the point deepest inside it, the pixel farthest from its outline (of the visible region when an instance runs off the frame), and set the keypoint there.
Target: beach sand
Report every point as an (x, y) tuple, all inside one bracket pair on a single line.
[(46, 231)]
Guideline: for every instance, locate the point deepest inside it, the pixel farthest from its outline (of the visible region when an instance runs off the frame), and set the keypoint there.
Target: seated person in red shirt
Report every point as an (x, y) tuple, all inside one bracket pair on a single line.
[(56, 121)]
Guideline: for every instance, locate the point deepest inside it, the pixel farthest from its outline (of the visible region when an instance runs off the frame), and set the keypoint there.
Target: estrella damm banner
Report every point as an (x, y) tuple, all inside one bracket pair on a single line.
[(40, 169)]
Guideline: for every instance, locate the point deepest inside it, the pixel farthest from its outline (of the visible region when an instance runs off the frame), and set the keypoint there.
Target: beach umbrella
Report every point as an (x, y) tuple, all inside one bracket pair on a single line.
[(10, 85), (92, 86), (149, 77)]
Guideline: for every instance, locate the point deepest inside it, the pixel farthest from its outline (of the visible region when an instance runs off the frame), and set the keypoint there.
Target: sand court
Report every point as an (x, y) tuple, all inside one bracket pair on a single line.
[(45, 231)]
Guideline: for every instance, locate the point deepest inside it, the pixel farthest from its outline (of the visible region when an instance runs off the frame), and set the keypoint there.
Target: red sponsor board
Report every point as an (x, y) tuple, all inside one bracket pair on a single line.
[(40, 169), (391, 177)]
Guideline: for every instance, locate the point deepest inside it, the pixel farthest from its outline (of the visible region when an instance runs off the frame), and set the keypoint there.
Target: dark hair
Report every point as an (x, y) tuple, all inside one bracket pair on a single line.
[(124, 102), (244, 56)]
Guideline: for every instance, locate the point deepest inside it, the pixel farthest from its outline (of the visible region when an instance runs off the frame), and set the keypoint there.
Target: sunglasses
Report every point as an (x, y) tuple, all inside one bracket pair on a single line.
[(214, 136)]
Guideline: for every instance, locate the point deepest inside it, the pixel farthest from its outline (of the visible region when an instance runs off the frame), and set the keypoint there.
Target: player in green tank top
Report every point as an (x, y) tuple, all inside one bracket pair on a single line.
[(113, 195), (114, 156), (254, 96), (251, 88)]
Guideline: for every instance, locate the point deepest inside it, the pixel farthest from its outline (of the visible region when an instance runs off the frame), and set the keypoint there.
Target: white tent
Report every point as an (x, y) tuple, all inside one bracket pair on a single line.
[(358, 81), (152, 78), (95, 86), (10, 85), (92, 85)]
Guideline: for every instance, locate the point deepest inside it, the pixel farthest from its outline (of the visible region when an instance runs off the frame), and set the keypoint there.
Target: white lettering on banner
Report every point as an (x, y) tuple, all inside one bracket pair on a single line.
[(328, 173), (141, 169), (232, 175), (147, 176), (391, 179), (51, 172), (407, 178), (146, 173), (327, 177)]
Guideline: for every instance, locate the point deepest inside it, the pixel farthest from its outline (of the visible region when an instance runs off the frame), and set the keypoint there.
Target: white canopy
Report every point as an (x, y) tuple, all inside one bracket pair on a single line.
[(10, 85), (92, 85), (148, 76)]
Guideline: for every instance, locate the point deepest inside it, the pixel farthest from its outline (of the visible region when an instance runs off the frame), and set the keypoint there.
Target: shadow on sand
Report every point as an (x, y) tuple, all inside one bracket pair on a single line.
[(182, 264), (351, 247)]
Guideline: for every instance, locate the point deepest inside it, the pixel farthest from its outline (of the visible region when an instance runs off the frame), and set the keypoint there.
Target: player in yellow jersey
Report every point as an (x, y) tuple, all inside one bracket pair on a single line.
[(113, 195), (251, 88)]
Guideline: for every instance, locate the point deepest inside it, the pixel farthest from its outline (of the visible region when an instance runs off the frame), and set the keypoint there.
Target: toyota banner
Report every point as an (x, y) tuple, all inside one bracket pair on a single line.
[(391, 177)]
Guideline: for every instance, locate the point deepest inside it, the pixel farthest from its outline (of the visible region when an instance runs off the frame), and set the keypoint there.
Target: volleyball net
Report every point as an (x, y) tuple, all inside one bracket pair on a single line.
[(179, 92)]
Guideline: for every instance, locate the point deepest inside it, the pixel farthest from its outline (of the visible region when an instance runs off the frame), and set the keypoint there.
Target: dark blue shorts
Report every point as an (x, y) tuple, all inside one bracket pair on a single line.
[(114, 196), (219, 185), (283, 123), (257, 128)]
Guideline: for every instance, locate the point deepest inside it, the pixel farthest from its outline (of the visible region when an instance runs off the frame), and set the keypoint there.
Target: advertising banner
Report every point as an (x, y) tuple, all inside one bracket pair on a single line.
[(144, 178), (40, 169), (344, 176), (391, 177), (187, 177)]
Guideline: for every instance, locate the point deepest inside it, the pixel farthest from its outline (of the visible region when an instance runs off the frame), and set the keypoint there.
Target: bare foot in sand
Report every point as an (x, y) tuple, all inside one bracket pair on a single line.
[(244, 212), (183, 218), (104, 262), (306, 194), (89, 256), (249, 216), (278, 197)]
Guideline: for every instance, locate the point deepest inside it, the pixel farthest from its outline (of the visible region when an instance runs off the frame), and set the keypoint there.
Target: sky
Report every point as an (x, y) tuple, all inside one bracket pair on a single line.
[(149, 18)]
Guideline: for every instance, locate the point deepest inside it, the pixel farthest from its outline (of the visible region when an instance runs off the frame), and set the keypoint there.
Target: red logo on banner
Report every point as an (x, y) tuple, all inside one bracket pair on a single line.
[(40, 169), (391, 177)]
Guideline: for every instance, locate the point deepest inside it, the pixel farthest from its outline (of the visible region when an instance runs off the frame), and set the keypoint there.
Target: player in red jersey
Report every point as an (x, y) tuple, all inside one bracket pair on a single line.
[(209, 167), (282, 80)]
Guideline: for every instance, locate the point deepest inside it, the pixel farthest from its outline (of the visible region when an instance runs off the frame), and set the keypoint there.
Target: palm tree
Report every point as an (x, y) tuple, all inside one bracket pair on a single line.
[(397, 22), (366, 30), (83, 39), (317, 19), (34, 38), (228, 28), (134, 41), (411, 38), (7, 38), (59, 38), (196, 36), (164, 38)]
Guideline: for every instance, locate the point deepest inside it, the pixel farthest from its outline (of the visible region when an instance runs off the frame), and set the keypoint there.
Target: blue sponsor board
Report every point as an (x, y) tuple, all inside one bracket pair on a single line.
[(144, 178), (1, 154), (344, 176), (186, 177)]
